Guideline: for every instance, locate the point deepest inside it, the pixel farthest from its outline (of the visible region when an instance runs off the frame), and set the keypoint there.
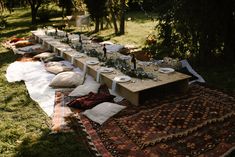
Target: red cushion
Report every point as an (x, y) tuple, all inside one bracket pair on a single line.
[(90, 100)]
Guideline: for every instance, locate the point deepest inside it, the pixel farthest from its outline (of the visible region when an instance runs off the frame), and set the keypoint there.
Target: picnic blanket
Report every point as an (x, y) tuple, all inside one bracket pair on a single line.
[(37, 81), (200, 123)]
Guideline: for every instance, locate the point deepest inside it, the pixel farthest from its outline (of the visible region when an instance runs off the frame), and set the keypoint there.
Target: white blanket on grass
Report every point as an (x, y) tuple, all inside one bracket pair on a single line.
[(37, 81)]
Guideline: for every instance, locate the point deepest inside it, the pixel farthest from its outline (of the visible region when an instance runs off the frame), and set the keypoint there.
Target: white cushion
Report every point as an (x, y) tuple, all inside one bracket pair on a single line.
[(66, 80), (103, 112), (57, 67), (85, 89), (54, 63), (44, 55)]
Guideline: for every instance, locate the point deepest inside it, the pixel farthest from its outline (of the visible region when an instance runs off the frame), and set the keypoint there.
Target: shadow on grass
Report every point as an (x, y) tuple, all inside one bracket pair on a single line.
[(53, 145), (70, 144), (15, 33), (7, 56)]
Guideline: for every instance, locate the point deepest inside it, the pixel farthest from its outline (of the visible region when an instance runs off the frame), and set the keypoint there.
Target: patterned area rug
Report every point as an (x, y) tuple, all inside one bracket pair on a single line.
[(201, 123), (62, 112), (178, 118)]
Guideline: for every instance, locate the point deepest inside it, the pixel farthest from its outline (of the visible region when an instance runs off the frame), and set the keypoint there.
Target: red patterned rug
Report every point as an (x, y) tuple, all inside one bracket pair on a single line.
[(200, 123)]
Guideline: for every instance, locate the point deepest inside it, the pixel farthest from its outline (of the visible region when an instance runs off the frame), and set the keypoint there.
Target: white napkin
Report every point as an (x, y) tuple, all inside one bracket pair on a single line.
[(85, 68), (98, 76), (61, 54), (114, 85)]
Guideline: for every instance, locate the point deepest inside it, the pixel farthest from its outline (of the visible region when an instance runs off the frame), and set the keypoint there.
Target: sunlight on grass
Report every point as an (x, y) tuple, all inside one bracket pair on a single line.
[(24, 128), (137, 30)]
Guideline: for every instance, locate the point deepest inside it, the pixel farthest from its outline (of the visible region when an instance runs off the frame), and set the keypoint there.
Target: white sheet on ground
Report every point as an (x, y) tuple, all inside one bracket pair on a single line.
[(37, 81)]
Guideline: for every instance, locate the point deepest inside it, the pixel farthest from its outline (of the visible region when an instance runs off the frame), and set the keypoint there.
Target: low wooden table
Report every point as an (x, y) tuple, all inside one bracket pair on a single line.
[(136, 91)]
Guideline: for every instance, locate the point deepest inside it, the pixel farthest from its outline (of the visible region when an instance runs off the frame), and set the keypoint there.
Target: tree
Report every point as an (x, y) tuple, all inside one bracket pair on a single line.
[(34, 4), (66, 4), (117, 9), (122, 17), (97, 10), (202, 28), (113, 11)]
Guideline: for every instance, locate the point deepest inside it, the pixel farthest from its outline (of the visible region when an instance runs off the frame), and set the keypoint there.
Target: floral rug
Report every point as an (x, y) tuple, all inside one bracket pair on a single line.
[(200, 123)]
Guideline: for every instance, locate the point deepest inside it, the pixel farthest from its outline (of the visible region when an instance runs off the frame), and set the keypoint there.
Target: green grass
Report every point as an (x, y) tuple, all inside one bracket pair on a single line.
[(136, 30), (25, 129)]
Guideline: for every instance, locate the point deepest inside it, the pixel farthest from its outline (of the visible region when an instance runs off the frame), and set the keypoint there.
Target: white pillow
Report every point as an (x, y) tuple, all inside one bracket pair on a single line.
[(66, 80), (53, 63), (103, 112), (44, 55), (85, 89), (57, 69)]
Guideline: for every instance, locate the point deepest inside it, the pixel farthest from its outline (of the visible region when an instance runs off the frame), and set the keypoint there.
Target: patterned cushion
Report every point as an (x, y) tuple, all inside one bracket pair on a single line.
[(90, 100)]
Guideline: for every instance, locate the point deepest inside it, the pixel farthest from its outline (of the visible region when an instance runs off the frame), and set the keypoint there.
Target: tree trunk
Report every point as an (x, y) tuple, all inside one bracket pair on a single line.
[(102, 24), (114, 21), (122, 19), (97, 24), (69, 6), (63, 12), (34, 15)]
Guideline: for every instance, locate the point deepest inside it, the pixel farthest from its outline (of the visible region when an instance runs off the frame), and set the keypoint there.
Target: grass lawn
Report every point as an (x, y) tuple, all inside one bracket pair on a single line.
[(25, 129)]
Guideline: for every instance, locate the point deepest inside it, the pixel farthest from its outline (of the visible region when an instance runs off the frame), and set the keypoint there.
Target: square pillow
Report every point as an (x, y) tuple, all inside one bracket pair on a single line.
[(103, 112), (67, 80), (90, 100), (85, 89), (55, 69), (23, 43), (44, 55)]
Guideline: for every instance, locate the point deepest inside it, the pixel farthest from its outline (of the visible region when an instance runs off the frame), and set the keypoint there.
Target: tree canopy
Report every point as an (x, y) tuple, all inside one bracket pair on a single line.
[(203, 29)]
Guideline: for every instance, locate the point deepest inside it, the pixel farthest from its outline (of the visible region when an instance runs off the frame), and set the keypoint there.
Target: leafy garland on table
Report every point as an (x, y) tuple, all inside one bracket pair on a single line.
[(118, 63), (122, 65)]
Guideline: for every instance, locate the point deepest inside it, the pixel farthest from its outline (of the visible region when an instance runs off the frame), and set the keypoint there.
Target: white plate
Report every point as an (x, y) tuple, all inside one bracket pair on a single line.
[(79, 55), (92, 62), (166, 70), (122, 78), (106, 70), (124, 57)]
